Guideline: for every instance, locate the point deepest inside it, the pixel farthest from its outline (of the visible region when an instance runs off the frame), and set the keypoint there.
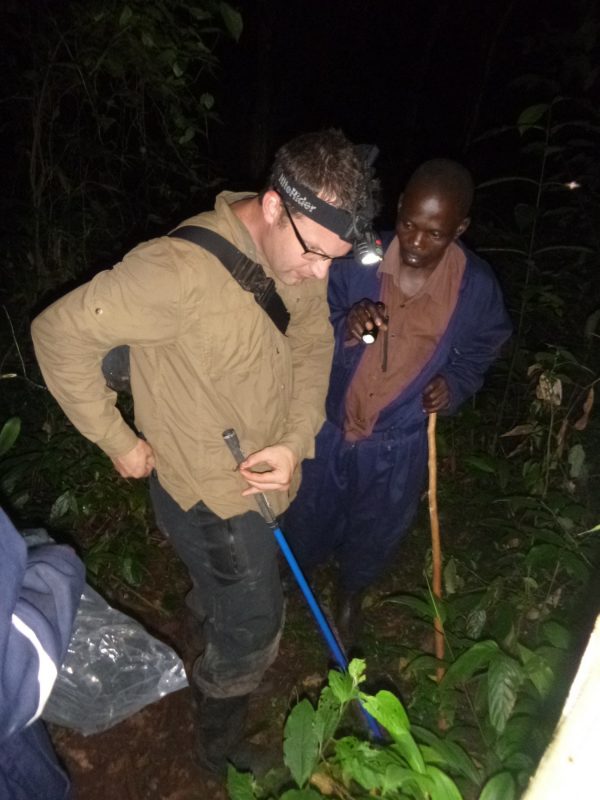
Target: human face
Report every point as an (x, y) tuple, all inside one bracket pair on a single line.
[(302, 250), (428, 222), (306, 251)]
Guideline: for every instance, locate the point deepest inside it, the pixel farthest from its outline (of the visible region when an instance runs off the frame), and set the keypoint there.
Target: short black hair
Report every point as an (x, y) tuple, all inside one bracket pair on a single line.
[(447, 177)]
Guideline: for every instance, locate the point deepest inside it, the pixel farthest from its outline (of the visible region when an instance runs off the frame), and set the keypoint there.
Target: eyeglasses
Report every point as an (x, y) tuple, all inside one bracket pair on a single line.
[(306, 251)]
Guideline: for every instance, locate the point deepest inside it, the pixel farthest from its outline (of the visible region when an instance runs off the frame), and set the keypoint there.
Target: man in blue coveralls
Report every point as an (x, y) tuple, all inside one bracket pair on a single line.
[(40, 590), (440, 319)]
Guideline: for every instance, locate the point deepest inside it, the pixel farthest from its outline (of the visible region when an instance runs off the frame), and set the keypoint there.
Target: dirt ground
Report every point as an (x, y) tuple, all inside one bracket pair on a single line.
[(150, 755)]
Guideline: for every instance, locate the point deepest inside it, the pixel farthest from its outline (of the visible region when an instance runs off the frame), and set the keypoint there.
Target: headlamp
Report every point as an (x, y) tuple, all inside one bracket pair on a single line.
[(354, 227), (368, 248)]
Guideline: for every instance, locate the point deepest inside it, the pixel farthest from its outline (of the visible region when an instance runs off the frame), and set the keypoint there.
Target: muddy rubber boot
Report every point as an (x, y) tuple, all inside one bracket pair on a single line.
[(348, 618), (220, 732), (220, 725)]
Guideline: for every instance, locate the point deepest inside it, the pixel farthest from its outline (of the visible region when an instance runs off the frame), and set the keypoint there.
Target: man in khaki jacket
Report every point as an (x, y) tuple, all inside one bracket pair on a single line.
[(206, 357)]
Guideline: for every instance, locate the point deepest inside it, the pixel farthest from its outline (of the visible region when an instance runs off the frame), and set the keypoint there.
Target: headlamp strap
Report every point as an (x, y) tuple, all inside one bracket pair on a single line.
[(304, 200), (250, 275)]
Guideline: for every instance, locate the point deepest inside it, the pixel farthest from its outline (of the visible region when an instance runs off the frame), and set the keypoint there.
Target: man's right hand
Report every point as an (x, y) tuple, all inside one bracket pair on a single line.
[(365, 315), (137, 463), (282, 463)]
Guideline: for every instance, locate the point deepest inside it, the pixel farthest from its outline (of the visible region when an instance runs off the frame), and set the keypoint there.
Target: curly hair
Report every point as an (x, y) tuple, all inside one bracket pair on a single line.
[(328, 164)]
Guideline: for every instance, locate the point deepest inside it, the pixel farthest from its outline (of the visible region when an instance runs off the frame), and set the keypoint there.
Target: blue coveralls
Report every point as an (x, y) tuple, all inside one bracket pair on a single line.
[(39, 595), (357, 499)]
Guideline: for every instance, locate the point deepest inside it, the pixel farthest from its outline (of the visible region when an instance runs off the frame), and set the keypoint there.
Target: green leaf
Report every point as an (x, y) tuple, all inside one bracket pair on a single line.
[(566, 523), (9, 434), (557, 635), (200, 13), (327, 716), (389, 712), (443, 787), (232, 19), (543, 556), (537, 669), (576, 123), (357, 669), (187, 136), (417, 604), (446, 753), (541, 149), (131, 569), (576, 460), (514, 250), (530, 116), (207, 100), (591, 324), (516, 737), (555, 248), (499, 787), (452, 581), (62, 505), (423, 664), (546, 535), (396, 778), (239, 785), (342, 686), (508, 179), (126, 15), (505, 677), (301, 746), (473, 660), (574, 565), (475, 622), (482, 463), (362, 763), (503, 628), (301, 794)]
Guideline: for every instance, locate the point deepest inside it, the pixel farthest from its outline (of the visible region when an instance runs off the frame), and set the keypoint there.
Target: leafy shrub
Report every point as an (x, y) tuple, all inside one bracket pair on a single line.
[(408, 762)]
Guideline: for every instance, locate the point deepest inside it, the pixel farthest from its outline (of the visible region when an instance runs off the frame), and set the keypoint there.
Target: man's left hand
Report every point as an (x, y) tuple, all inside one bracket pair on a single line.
[(436, 396), (282, 463)]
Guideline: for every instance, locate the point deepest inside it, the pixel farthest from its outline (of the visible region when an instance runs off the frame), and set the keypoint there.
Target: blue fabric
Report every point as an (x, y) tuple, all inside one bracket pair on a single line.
[(40, 587), (358, 499)]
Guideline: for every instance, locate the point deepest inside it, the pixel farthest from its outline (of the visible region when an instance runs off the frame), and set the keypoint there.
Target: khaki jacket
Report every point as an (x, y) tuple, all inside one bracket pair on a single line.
[(204, 357)]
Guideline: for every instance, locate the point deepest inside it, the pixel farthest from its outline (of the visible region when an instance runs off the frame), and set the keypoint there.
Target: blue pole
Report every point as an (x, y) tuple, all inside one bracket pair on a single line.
[(266, 511), (336, 650)]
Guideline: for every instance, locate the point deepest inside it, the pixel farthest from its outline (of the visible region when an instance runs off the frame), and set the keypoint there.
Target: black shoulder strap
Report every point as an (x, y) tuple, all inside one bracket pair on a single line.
[(250, 275)]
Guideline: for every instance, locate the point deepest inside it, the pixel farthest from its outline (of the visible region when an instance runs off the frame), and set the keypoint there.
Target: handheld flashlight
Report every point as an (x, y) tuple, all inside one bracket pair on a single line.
[(369, 336)]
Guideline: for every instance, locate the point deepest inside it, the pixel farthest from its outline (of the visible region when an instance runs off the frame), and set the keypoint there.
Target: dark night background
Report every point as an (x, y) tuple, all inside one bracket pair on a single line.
[(120, 118), (419, 79)]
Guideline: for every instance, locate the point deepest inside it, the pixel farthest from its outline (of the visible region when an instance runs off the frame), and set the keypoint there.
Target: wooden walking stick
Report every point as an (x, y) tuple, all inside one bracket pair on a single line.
[(436, 547)]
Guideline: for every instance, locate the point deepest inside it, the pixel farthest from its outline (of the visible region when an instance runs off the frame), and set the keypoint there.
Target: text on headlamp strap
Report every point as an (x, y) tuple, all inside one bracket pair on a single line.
[(301, 197)]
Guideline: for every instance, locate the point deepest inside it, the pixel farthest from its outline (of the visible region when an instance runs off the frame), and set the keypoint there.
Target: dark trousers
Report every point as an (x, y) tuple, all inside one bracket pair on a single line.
[(233, 567), (357, 501)]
